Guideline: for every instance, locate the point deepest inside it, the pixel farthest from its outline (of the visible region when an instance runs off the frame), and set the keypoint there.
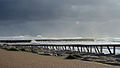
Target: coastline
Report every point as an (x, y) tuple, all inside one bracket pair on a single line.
[(20, 59)]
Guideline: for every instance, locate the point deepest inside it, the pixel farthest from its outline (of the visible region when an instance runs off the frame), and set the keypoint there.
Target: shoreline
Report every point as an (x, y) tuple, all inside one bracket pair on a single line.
[(103, 59), (22, 58)]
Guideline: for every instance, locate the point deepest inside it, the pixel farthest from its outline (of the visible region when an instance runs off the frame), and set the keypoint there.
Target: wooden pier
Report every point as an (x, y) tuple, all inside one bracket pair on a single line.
[(80, 48), (98, 49)]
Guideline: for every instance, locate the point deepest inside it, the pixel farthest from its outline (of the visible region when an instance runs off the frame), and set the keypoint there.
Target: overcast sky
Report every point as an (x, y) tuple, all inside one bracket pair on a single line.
[(59, 17)]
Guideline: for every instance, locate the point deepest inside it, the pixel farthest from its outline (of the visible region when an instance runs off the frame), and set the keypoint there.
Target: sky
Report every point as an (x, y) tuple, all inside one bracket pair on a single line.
[(60, 17)]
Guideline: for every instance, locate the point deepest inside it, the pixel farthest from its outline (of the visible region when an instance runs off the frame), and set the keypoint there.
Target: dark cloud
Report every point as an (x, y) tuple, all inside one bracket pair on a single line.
[(59, 17)]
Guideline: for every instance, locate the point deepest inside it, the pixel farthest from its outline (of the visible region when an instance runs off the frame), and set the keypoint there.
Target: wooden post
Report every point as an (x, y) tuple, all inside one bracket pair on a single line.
[(114, 52), (84, 48), (87, 47), (81, 49), (70, 48), (97, 49), (91, 49), (78, 49), (101, 49), (109, 50), (47, 47), (53, 47), (73, 48), (56, 48), (65, 48)]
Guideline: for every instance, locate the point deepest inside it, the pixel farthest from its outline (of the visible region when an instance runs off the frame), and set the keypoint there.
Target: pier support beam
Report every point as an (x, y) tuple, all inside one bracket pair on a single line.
[(114, 52), (109, 50), (84, 48), (101, 49), (90, 49), (69, 48), (81, 49), (95, 49), (78, 49), (87, 47), (73, 48), (65, 48)]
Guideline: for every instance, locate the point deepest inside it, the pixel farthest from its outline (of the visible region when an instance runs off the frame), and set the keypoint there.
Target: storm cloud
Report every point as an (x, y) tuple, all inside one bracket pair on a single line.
[(59, 17)]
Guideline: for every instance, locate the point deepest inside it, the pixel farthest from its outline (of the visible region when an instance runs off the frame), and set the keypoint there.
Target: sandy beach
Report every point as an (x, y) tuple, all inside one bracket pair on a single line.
[(18, 59)]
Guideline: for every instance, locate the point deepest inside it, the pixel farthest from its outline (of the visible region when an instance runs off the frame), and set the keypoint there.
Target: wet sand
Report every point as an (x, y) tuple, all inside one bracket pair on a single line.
[(17, 59)]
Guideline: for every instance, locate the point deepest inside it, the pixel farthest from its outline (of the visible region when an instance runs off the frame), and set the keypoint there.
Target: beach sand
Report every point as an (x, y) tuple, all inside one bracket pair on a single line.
[(18, 59)]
